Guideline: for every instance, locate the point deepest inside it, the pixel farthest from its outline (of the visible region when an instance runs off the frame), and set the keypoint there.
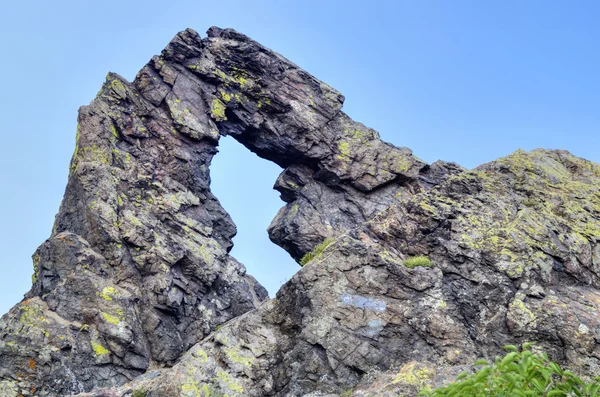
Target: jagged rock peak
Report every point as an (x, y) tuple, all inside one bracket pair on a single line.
[(137, 269), (135, 292)]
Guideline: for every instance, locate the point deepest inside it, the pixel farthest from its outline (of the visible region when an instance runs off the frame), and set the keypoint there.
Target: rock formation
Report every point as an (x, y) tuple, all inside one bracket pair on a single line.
[(134, 293)]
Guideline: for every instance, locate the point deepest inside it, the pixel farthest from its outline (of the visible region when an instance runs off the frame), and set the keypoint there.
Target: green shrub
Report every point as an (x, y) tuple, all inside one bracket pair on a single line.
[(415, 261), (519, 374), (318, 250), (139, 393)]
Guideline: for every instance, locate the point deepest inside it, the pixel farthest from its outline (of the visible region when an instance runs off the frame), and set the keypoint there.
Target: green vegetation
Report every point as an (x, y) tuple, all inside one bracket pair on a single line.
[(317, 251), (415, 261), (520, 374), (139, 393), (347, 393)]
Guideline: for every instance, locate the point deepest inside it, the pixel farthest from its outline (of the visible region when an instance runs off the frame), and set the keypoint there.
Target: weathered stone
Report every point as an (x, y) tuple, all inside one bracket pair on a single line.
[(356, 321), (136, 274)]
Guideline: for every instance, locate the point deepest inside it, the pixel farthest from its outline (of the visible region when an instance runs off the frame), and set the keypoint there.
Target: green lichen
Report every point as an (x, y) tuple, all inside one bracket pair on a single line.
[(428, 207), (111, 319), (294, 210), (228, 381), (241, 77), (218, 72), (134, 220), (238, 77), (190, 389), (32, 318), (108, 293), (9, 389), (77, 137), (344, 148), (99, 349), (541, 202), (201, 355), (118, 88), (403, 163), (225, 96), (218, 110), (233, 353), (205, 255), (521, 314), (359, 135), (36, 268), (414, 374), (91, 154), (331, 95)]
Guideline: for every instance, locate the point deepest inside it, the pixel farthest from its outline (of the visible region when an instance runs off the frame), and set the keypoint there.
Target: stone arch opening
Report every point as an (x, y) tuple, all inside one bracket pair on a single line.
[(243, 183)]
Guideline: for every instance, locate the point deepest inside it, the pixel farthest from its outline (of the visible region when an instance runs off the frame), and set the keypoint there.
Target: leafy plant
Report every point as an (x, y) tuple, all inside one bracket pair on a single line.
[(415, 261), (318, 250), (519, 374)]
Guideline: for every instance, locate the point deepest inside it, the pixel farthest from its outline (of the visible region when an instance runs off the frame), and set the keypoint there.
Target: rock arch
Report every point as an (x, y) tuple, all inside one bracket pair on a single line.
[(137, 275), (137, 268)]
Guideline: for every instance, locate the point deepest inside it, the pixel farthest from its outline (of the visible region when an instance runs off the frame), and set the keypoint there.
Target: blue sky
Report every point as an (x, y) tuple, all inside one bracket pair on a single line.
[(464, 81)]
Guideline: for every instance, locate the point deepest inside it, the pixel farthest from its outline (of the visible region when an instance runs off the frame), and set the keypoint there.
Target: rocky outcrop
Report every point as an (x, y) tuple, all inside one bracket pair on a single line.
[(137, 268), (337, 173), (136, 275), (514, 246)]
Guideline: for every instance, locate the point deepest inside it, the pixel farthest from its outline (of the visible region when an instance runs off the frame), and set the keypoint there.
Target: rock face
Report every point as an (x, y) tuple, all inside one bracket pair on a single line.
[(136, 275)]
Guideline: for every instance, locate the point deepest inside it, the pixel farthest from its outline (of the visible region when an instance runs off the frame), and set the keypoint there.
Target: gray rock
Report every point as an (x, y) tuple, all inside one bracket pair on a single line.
[(135, 293)]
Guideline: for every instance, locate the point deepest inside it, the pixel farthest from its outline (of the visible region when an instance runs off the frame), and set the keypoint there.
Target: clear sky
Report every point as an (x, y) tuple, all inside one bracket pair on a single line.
[(464, 81)]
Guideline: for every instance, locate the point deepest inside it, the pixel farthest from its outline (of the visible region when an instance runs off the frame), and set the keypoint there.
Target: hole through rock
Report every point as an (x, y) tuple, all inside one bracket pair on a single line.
[(243, 183)]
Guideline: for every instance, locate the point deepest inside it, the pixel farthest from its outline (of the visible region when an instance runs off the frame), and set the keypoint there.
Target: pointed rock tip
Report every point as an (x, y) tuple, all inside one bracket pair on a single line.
[(214, 31), (227, 33), (188, 32), (110, 76)]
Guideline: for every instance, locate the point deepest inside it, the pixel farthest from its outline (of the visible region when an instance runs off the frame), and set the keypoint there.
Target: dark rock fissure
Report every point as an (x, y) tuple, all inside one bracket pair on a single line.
[(137, 278)]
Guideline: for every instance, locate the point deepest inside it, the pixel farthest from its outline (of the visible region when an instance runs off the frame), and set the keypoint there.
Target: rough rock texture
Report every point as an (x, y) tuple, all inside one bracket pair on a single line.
[(516, 258), (137, 271)]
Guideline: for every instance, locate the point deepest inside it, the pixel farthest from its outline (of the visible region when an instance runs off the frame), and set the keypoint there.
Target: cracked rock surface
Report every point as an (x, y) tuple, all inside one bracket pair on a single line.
[(135, 293)]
